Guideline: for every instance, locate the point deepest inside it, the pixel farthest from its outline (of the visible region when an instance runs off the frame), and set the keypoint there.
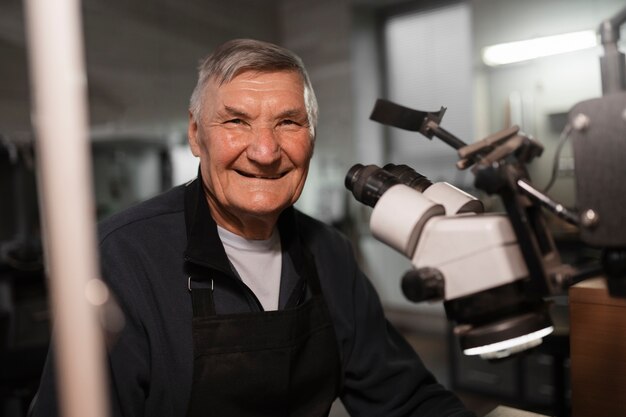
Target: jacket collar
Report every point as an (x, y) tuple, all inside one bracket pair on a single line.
[(204, 246)]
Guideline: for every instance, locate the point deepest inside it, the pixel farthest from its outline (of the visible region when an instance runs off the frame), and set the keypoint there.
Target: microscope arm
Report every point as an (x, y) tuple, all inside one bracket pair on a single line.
[(612, 64)]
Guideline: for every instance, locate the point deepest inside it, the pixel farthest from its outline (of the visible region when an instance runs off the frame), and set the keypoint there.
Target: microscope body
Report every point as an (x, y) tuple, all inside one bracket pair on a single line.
[(470, 260), (473, 252)]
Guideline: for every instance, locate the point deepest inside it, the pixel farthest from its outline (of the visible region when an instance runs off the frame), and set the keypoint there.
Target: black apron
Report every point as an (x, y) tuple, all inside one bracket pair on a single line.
[(276, 363)]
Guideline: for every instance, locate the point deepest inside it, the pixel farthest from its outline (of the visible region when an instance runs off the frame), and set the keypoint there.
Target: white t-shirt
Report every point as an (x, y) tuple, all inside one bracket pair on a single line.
[(258, 263)]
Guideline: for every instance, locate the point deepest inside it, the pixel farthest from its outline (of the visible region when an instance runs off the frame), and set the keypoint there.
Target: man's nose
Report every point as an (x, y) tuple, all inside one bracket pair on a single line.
[(264, 147)]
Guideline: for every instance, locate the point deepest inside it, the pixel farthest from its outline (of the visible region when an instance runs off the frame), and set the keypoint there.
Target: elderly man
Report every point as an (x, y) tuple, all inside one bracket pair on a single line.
[(236, 303)]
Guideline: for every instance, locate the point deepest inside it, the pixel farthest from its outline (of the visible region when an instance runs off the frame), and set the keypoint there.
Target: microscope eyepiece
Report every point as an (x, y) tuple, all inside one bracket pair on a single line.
[(369, 182), (409, 176)]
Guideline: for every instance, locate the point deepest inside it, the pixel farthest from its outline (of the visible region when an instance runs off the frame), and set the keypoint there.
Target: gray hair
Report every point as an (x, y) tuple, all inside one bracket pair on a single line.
[(239, 55)]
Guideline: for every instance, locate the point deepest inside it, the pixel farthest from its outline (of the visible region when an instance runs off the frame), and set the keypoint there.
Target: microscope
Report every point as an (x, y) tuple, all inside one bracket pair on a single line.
[(495, 271)]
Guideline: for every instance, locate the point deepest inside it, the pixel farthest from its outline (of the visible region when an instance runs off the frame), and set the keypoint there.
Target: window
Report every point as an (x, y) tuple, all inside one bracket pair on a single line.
[(429, 65)]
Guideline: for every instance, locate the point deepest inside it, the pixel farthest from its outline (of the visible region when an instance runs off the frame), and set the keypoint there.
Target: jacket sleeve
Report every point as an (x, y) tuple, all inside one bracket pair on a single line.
[(127, 359), (383, 375)]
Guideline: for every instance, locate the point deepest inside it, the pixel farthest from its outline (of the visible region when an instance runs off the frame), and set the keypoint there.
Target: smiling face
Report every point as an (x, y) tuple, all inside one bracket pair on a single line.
[(253, 141)]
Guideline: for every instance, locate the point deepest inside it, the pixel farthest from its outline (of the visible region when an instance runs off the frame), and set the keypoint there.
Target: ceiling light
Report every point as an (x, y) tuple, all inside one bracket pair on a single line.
[(508, 53)]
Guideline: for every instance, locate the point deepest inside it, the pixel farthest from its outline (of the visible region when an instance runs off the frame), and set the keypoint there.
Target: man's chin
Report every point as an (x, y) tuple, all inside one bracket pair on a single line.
[(261, 213), (260, 208), (263, 202)]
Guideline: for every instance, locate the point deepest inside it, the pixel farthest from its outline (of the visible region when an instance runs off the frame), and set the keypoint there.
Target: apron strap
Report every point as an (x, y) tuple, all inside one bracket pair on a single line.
[(202, 300)]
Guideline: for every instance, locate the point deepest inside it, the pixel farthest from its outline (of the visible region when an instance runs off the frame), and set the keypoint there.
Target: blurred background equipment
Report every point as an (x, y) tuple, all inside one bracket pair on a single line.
[(24, 317)]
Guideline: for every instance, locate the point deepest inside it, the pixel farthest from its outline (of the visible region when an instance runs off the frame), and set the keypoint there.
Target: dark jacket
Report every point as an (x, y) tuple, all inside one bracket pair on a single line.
[(147, 258)]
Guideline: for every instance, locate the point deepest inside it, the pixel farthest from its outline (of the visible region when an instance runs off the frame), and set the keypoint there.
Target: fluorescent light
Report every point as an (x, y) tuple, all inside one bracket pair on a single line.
[(508, 53), (505, 345)]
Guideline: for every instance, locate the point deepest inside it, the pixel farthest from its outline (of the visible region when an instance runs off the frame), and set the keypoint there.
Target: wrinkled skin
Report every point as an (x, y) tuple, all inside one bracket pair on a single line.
[(254, 145)]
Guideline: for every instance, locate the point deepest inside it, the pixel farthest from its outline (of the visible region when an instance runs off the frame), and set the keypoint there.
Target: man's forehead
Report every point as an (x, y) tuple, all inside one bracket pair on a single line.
[(282, 90), (261, 77)]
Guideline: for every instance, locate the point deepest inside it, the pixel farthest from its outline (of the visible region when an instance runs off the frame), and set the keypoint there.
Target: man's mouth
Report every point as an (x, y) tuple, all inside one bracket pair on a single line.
[(261, 176)]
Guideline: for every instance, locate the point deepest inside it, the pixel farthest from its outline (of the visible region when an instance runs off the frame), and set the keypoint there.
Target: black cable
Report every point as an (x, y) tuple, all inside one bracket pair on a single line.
[(584, 273), (565, 134)]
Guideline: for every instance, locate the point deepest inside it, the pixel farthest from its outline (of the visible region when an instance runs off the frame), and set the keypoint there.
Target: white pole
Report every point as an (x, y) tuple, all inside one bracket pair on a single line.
[(65, 188)]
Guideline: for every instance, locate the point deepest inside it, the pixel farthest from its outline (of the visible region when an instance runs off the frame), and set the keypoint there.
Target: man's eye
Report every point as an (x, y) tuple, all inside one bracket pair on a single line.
[(288, 122), (235, 121)]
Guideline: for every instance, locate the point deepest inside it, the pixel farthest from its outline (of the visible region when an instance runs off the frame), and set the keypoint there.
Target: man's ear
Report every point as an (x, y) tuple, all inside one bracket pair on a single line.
[(192, 135)]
